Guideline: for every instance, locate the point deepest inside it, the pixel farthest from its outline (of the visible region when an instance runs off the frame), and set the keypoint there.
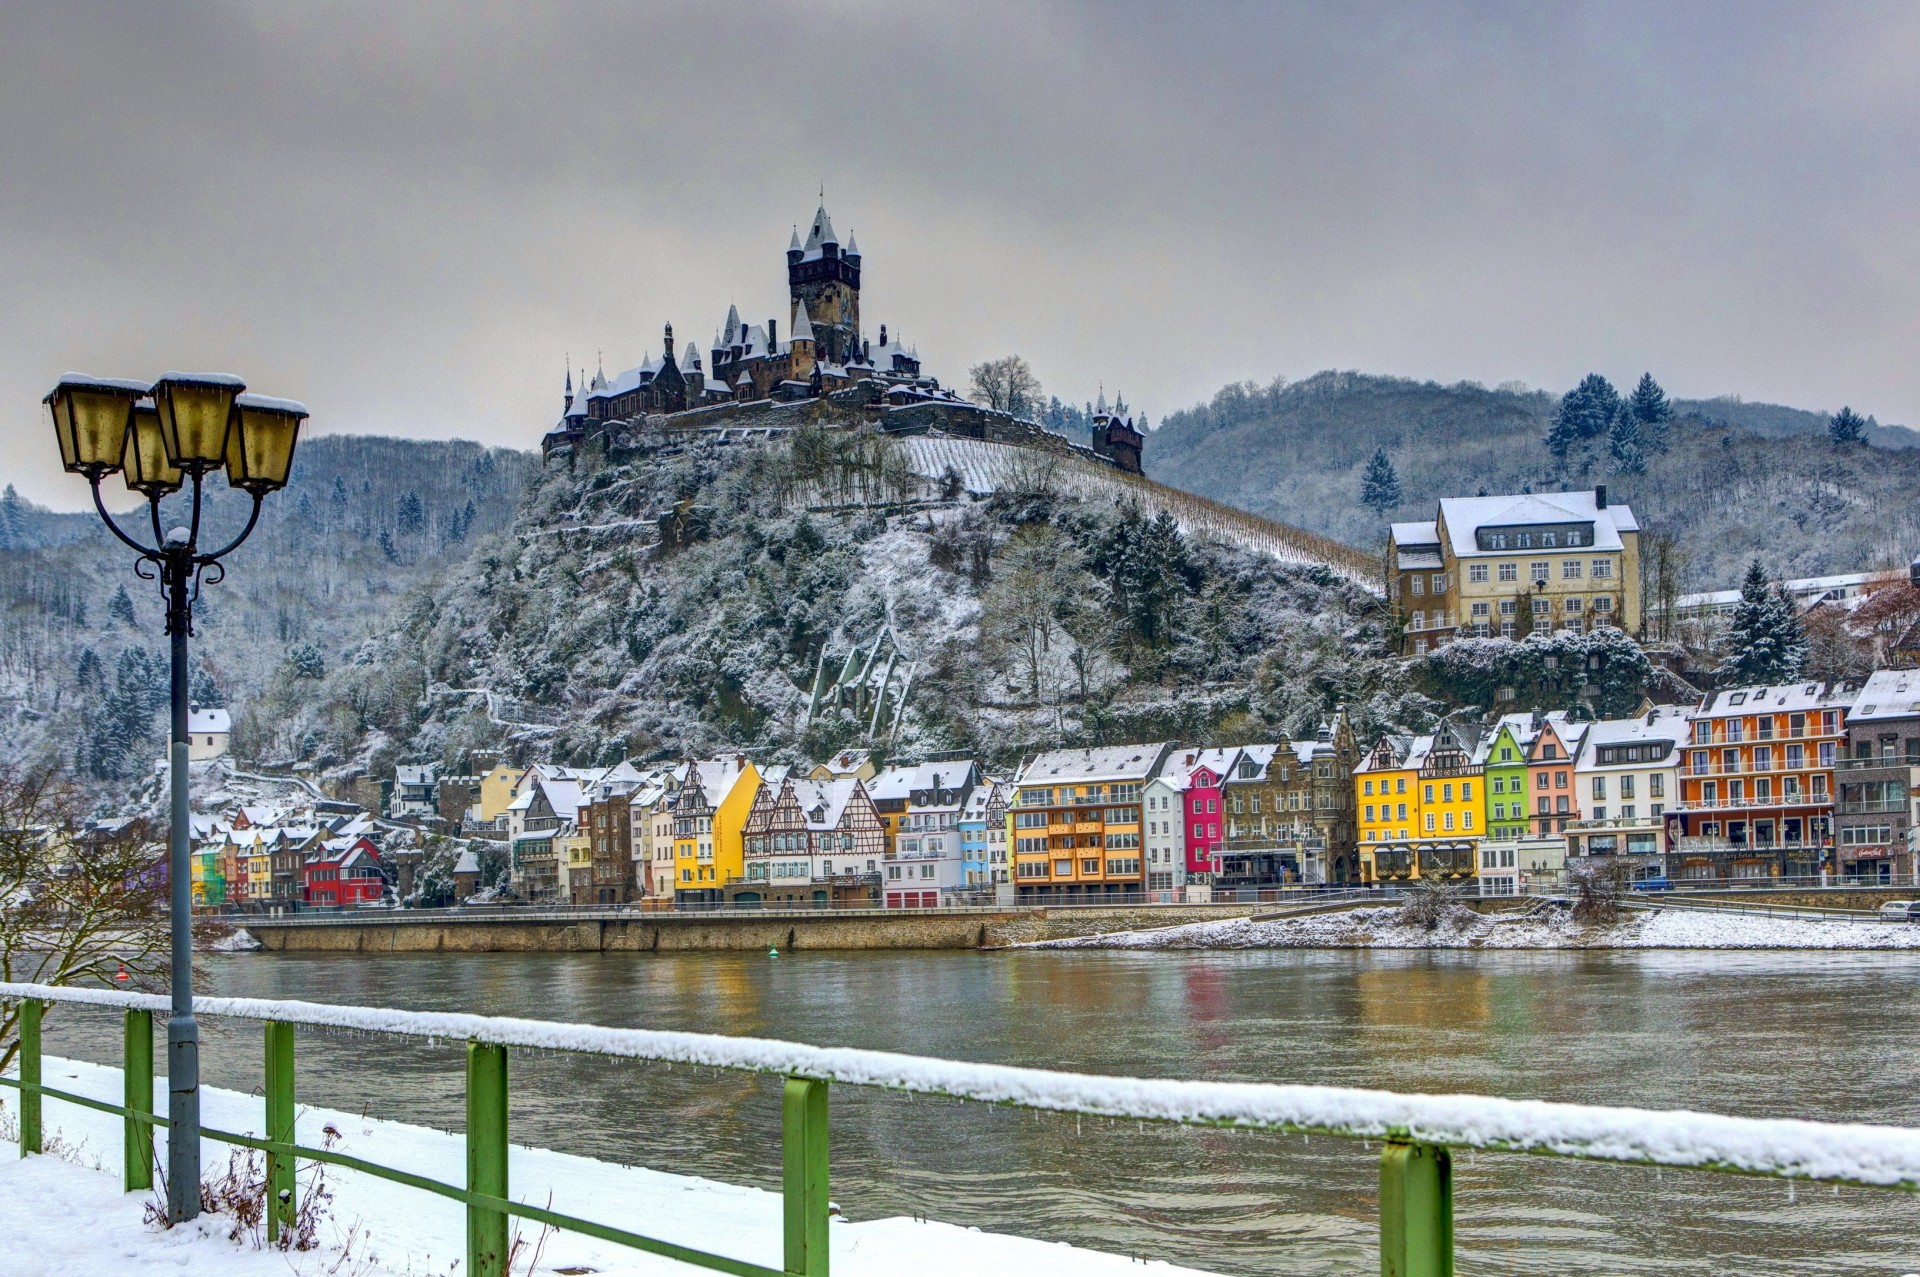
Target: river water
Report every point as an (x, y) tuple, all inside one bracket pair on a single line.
[(1762, 1034)]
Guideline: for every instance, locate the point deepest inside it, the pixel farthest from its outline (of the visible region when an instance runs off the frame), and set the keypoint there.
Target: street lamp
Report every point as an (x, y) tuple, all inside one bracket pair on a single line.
[(160, 437)]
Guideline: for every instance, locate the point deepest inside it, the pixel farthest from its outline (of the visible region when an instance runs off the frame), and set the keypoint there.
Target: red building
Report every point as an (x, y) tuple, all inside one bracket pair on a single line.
[(1204, 804), (344, 873)]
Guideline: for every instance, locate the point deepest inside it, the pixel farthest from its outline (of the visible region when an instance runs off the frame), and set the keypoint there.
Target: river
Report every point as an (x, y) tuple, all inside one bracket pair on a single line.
[(1811, 1035)]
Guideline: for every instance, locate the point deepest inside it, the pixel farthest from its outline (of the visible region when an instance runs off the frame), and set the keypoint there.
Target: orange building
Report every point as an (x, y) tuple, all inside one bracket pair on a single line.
[(1076, 822), (1756, 782)]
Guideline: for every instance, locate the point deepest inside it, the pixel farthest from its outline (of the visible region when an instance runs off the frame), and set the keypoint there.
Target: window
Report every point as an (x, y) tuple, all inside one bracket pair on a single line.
[(1466, 791), (1599, 786), (1428, 797), (1429, 822), (1476, 573), (1602, 569), (1572, 604), (1540, 571), (1368, 788), (1509, 607), (1507, 628), (1439, 583), (1063, 868), (1548, 540), (1603, 603), (1570, 569), (1543, 607), (1481, 612), (1466, 820), (1418, 585), (1402, 814), (1369, 815), (1509, 571), (1657, 785), (1400, 787), (1599, 813), (1626, 786)]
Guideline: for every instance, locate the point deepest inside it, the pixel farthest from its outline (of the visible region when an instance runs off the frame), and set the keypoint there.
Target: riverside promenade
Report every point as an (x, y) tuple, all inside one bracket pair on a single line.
[(589, 930)]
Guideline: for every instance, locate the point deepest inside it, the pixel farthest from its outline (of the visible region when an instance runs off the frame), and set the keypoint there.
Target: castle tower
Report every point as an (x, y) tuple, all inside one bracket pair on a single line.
[(804, 346), (826, 282)]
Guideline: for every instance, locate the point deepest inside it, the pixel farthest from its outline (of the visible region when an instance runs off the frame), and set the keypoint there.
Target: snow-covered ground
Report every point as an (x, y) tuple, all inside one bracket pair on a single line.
[(1384, 928), (69, 1218)]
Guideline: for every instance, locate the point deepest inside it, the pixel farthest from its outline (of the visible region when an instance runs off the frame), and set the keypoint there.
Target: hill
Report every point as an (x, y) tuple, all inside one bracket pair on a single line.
[(799, 589), (362, 522), (1737, 481)]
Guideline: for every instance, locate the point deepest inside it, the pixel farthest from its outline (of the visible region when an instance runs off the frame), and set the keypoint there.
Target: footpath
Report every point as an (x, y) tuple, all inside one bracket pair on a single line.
[(63, 1215)]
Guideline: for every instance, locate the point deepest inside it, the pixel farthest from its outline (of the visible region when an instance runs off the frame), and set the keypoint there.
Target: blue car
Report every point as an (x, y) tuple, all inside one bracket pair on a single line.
[(1652, 884)]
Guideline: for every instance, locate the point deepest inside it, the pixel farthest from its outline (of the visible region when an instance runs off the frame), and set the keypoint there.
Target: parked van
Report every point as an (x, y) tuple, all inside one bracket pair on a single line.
[(1900, 911)]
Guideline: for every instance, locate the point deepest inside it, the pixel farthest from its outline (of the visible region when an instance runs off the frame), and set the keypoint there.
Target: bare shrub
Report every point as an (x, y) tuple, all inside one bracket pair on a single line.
[(1431, 902), (1600, 884)]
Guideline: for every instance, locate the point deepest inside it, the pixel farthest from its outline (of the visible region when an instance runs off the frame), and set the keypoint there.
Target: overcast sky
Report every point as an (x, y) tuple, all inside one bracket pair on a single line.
[(409, 215)]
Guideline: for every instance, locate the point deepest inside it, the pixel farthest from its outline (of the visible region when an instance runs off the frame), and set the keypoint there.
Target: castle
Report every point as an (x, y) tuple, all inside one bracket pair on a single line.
[(824, 354)]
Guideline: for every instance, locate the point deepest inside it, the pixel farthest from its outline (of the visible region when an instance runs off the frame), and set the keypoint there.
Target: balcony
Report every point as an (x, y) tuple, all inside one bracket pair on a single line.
[(1872, 807), (1760, 738), (1714, 845), (1820, 799), (1747, 768), (1617, 822), (1903, 764)]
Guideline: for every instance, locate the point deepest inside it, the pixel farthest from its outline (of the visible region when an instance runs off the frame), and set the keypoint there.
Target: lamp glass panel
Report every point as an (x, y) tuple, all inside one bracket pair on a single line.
[(260, 449), (99, 423), (58, 413), (194, 417), (147, 469)]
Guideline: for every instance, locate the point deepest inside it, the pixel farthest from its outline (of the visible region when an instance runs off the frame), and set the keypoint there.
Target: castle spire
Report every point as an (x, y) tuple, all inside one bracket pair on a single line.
[(802, 325)]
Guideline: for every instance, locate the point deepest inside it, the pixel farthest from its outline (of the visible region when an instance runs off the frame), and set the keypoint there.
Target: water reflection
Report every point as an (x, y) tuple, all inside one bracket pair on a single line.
[(1765, 1034)]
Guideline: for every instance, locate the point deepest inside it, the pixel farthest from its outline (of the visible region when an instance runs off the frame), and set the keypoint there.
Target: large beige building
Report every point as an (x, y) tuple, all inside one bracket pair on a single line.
[(1507, 566)]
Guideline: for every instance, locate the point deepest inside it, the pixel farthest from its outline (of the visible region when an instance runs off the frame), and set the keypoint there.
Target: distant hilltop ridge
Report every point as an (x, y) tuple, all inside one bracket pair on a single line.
[(824, 358)]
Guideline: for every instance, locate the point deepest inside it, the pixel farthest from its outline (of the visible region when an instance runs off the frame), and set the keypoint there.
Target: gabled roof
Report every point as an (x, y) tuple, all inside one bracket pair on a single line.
[(1108, 763), (212, 721), (1466, 515), (1731, 702), (1888, 694)]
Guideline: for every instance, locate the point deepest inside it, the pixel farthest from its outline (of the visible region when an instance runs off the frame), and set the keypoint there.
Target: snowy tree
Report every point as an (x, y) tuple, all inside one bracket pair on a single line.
[(121, 607), (1379, 485), (1765, 642), (304, 660), (1845, 427), (1654, 413), (411, 515), (1006, 385), (1583, 416), (387, 547), (1624, 446), (204, 690)]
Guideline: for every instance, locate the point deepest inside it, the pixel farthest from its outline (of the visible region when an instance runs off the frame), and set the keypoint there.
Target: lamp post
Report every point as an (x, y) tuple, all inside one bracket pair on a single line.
[(175, 432)]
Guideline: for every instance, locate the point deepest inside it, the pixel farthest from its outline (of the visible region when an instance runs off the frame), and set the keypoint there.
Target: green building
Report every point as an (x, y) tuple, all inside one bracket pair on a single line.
[(1503, 752)]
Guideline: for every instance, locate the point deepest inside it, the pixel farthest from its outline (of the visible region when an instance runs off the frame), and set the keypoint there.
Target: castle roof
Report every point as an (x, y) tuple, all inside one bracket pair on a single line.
[(793, 245), (733, 326), (690, 358), (822, 233), (802, 325), (853, 246)]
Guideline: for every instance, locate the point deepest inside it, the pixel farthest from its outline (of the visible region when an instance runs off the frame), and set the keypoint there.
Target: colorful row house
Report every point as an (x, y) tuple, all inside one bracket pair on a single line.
[(1421, 801), (817, 843), (1078, 822)]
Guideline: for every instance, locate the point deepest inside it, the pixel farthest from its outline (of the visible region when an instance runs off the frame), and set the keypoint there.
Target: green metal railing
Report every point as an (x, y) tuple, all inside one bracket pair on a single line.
[(1416, 1168)]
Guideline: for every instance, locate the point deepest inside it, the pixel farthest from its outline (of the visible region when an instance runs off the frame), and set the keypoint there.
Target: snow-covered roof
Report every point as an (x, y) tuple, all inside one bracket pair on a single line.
[(1806, 589), (1666, 726), (824, 802), (853, 246), (468, 863), (1108, 763), (1464, 516), (822, 233), (210, 721), (410, 774), (1183, 763), (1427, 533), (1888, 694), (1731, 702), (802, 325)]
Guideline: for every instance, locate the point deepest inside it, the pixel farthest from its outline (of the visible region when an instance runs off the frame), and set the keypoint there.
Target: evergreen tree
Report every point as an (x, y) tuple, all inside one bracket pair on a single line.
[(121, 607), (1846, 426), (305, 661), (203, 689), (387, 547), (1654, 413), (1624, 444), (1766, 642), (1380, 486), (1584, 415), (412, 515), (13, 523)]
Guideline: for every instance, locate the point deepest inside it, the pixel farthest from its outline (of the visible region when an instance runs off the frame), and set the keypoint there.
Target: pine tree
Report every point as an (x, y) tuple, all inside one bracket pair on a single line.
[(121, 607), (1845, 427), (412, 515), (1654, 413), (1583, 416), (1380, 486), (1624, 443), (1765, 642), (204, 690)]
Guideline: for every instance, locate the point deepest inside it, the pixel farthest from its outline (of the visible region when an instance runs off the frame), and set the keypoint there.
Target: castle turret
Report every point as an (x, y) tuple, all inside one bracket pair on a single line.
[(827, 282), (794, 250), (669, 344)]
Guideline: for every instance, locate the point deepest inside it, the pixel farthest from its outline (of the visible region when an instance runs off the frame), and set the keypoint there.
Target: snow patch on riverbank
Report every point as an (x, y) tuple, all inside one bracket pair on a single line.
[(58, 1218), (1546, 928)]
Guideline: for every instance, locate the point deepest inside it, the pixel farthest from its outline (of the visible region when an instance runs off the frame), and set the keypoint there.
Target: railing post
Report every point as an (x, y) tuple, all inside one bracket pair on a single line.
[(30, 1013), (1416, 1211), (280, 1130), (486, 1157), (136, 1072), (803, 1181)]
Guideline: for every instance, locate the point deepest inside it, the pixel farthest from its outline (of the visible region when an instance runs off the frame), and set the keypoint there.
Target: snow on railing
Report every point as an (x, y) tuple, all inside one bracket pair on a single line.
[(1853, 1153)]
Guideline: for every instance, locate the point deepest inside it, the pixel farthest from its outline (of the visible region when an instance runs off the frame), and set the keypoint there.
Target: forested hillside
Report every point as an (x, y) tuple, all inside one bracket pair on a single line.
[(1729, 481), (362, 522), (799, 594)]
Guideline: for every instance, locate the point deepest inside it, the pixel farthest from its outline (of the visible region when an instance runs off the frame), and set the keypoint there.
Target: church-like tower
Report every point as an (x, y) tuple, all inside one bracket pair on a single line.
[(824, 277)]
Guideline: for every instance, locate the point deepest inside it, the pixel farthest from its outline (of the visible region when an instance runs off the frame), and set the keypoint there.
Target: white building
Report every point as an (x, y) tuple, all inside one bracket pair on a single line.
[(208, 734)]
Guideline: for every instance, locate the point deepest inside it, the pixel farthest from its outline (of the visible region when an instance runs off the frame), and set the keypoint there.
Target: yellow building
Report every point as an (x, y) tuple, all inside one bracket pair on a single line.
[(1507, 566), (574, 854), (497, 790), (709, 819), (1421, 806)]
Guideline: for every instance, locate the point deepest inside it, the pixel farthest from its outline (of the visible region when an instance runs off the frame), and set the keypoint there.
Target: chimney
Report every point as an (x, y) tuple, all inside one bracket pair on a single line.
[(1600, 496), (773, 342)]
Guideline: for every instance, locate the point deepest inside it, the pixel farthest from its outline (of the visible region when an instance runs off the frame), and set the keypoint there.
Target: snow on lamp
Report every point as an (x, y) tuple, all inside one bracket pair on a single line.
[(260, 444), (196, 412), (90, 418)]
